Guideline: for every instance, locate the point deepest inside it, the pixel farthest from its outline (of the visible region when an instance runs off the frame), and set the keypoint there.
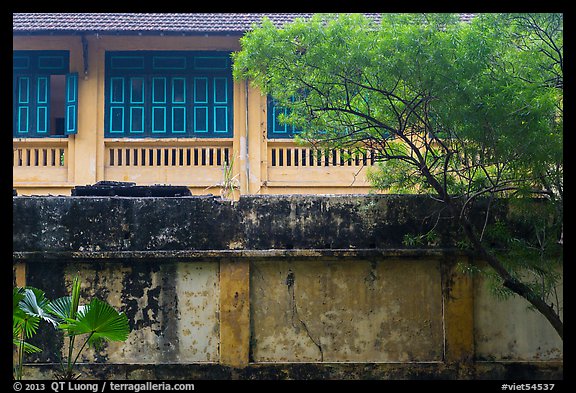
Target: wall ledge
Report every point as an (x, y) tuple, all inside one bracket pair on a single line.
[(203, 255)]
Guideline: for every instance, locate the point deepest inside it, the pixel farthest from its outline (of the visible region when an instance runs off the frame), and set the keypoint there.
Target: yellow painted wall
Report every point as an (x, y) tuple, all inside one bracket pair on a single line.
[(86, 154), (239, 312)]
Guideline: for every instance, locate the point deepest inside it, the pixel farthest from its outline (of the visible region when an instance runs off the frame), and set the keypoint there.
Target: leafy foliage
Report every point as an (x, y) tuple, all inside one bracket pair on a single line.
[(455, 95), (97, 321), (457, 110), (28, 310)]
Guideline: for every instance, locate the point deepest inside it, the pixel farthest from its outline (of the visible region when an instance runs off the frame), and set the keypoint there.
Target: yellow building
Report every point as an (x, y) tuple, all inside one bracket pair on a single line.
[(150, 99)]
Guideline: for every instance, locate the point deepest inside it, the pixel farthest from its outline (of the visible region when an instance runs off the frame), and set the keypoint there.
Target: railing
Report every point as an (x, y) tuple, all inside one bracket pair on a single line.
[(292, 165), (189, 162), (47, 164), (40, 161)]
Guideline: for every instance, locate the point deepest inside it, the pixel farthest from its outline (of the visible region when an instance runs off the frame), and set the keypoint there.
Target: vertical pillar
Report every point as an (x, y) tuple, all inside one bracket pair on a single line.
[(19, 274), (240, 147), (249, 138), (234, 312), (19, 280), (85, 142), (96, 74), (256, 139), (458, 290)]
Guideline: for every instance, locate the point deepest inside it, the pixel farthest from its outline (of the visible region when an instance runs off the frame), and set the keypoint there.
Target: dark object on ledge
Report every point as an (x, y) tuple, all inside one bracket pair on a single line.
[(129, 189)]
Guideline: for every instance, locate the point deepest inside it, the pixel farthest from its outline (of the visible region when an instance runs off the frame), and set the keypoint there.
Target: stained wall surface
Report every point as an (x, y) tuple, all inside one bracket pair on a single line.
[(340, 311), (172, 309), (507, 329), (272, 288)]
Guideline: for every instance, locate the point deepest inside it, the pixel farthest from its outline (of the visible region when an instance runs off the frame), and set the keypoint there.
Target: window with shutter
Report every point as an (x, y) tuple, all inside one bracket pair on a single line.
[(275, 128), (45, 95), (168, 94)]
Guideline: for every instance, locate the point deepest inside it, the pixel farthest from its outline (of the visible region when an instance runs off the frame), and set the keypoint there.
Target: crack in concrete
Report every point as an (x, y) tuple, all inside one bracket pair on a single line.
[(290, 279)]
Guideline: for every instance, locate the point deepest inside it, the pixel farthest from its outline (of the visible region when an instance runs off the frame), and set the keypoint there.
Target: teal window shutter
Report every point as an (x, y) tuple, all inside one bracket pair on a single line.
[(160, 94), (71, 113), (275, 128), (37, 76), (42, 105)]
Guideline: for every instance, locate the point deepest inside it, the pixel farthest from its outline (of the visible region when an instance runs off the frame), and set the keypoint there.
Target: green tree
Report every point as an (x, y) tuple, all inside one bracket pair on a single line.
[(458, 110)]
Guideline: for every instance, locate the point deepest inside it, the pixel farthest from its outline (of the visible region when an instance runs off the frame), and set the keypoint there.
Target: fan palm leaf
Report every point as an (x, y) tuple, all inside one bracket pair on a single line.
[(29, 307), (23, 324), (17, 295), (101, 321), (67, 306), (35, 304), (63, 308)]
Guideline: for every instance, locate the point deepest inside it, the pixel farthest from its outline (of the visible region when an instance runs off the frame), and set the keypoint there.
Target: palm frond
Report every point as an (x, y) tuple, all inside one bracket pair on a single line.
[(60, 308), (17, 296), (75, 297), (26, 324), (101, 321), (27, 347), (34, 303)]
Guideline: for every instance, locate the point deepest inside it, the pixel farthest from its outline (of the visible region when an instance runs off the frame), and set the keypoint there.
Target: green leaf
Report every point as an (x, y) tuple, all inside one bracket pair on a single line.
[(35, 304), (17, 296), (61, 308), (27, 347), (75, 297), (101, 321), (18, 315), (29, 307), (24, 323)]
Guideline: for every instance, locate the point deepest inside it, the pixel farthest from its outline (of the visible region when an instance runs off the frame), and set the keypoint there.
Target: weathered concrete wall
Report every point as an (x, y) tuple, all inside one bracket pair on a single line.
[(251, 290), (506, 329), (346, 311), (94, 224), (172, 308)]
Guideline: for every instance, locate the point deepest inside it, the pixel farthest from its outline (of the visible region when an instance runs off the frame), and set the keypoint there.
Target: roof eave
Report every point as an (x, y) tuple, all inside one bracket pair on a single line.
[(51, 32)]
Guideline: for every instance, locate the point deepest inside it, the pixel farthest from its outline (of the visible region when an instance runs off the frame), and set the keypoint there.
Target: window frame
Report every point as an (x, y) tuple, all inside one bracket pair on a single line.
[(168, 103), (288, 131), (36, 67)]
